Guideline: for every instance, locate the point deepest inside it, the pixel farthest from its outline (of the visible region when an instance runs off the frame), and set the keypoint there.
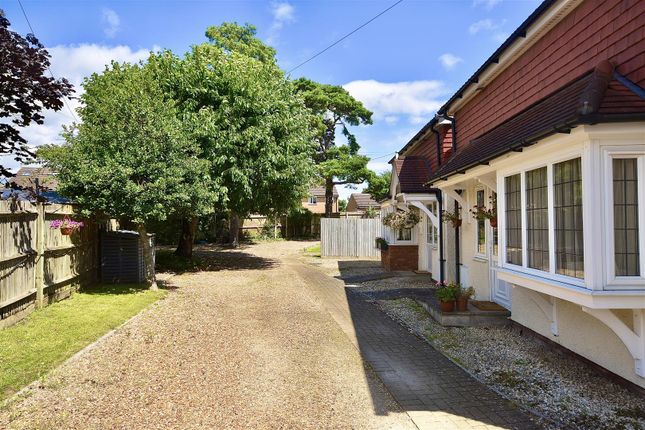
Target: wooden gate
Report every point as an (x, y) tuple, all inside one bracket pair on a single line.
[(349, 237)]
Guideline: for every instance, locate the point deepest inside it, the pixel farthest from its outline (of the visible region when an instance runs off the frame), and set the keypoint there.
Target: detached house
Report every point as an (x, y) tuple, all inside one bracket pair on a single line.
[(548, 135)]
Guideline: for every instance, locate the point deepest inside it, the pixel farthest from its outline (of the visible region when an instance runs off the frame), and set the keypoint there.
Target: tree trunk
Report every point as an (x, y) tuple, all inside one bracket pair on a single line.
[(329, 197), (148, 263), (234, 230), (187, 238)]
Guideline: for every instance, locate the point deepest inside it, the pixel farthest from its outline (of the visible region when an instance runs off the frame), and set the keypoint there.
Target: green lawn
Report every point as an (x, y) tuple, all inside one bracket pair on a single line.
[(313, 250), (47, 337)]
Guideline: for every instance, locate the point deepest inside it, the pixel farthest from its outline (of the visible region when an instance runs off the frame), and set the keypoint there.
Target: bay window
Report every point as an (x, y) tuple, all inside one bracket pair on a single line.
[(626, 214), (543, 219)]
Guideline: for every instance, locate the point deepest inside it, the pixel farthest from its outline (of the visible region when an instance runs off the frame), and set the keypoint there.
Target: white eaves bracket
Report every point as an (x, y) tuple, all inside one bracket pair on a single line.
[(634, 340), (549, 308), (433, 219)]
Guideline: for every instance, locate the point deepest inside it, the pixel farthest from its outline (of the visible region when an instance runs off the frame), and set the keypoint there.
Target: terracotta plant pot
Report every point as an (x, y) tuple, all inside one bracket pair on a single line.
[(462, 304), (456, 223), (447, 306), (493, 222), (66, 231)]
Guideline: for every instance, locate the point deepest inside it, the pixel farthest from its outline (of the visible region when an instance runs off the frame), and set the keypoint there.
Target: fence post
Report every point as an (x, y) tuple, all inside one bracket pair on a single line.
[(39, 269)]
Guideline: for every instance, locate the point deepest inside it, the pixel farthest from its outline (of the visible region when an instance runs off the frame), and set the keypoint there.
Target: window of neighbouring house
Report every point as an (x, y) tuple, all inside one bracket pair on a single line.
[(404, 234), (513, 193), (626, 217), (481, 224), (569, 240), (537, 219), (313, 200)]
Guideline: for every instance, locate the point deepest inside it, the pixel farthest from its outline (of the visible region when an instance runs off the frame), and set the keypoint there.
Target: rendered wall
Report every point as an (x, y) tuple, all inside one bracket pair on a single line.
[(578, 332)]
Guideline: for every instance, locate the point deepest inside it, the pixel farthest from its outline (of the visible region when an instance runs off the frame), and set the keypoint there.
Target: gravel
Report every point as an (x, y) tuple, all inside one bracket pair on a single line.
[(240, 347), (561, 389)]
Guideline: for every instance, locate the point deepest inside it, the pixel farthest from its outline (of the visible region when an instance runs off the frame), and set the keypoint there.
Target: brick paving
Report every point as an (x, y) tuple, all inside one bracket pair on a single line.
[(436, 393)]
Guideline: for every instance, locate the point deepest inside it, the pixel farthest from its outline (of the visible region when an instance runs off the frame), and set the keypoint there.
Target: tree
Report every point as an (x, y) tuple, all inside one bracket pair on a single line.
[(246, 117), (24, 90), (334, 107), (378, 185), (232, 37), (342, 205), (130, 157)]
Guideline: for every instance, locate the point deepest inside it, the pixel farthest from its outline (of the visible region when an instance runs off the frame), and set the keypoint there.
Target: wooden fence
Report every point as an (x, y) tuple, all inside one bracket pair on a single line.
[(39, 265), (349, 237)]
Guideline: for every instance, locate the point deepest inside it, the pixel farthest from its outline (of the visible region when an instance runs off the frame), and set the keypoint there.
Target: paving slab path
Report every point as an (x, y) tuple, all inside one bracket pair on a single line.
[(261, 341)]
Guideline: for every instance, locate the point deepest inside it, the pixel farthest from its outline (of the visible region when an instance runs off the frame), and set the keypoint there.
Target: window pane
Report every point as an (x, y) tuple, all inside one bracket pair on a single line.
[(404, 234), (625, 184), (481, 226), (513, 219), (495, 235), (537, 219), (569, 246)]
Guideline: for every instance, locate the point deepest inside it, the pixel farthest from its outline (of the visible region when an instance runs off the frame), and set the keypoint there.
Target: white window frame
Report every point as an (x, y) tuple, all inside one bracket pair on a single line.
[(476, 254), (433, 206), (313, 200), (612, 281), (501, 204)]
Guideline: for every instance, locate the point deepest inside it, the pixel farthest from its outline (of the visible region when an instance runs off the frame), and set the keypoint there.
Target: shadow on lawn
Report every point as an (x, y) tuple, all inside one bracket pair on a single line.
[(211, 258), (118, 289)]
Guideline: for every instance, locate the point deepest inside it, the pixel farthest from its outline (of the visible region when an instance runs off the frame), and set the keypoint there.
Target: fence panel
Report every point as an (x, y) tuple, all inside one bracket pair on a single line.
[(39, 265), (349, 237)]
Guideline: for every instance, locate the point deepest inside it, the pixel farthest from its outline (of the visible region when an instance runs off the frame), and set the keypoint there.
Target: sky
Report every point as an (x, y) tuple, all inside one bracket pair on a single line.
[(403, 66)]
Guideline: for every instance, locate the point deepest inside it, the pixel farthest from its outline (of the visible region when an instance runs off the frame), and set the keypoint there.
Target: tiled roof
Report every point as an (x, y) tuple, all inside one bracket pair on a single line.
[(364, 200), (320, 191), (413, 173), (593, 98), (26, 178)]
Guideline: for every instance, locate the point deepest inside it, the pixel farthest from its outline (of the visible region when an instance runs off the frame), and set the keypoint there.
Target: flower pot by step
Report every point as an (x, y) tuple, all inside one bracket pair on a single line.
[(462, 304), (447, 306)]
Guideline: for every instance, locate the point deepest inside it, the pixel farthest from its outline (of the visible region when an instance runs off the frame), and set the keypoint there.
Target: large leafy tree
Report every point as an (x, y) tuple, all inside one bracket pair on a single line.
[(246, 117), (130, 157), (335, 108), (25, 89), (378, 185)]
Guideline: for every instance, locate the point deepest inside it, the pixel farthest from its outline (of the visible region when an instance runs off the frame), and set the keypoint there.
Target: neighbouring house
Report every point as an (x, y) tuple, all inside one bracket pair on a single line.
[(358, 203), (315, 201), (32, 177), (547, 138)]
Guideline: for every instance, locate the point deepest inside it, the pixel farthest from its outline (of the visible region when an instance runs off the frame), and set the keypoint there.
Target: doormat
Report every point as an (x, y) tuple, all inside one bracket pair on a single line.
[(487, 306)]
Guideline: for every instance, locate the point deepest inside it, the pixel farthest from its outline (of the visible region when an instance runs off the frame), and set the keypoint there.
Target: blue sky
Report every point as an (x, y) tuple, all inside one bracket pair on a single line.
[(403, 65)]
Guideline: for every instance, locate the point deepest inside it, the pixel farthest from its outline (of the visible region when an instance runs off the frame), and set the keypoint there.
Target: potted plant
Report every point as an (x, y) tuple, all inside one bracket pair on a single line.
[(381, 244), (453, 217), (401, 219), (66, 225), (462, 299), (446, 294), (483, 213)]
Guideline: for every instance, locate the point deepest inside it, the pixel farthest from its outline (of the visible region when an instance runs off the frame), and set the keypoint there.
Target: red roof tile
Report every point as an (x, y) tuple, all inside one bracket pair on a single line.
[(413, 173)]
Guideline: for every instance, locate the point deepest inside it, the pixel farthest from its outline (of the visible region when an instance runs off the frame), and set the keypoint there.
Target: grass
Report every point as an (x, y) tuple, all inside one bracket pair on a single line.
[(314, 250), (47, 337)]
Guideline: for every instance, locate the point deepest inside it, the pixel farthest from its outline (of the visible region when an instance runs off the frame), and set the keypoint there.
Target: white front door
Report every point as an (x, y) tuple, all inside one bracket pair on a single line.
[(500, 290)]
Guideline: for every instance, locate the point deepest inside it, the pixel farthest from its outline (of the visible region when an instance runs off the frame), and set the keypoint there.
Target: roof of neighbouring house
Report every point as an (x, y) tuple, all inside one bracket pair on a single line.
[(413, 173), (593, 98), (364, 201), (320, 191), (26, 178)]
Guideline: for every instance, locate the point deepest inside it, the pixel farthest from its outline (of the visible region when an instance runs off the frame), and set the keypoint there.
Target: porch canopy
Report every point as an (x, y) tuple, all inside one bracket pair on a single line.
[(408, 186)]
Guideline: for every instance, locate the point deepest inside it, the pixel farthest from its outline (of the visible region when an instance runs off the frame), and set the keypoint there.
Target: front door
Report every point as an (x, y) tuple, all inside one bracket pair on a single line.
[(500, 290)]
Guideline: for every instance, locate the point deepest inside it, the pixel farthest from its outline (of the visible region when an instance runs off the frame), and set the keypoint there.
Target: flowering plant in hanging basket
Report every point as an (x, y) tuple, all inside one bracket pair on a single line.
[(66, 225), (452, 217), (400, 219), (484, 213)]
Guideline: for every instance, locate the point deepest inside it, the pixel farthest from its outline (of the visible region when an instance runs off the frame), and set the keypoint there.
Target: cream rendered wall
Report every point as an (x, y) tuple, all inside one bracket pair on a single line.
[(579, 332)]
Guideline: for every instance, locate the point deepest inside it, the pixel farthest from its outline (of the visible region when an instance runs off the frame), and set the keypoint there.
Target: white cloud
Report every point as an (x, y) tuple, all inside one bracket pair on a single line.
[(391, 119), (482, 25), (488, 4), (415, 99), (74, 63), (283, 13), (449, 61), (112, 22)]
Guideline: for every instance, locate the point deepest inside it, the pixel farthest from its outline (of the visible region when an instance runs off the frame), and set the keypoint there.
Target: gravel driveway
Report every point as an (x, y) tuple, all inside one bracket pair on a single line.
[(242, 347)]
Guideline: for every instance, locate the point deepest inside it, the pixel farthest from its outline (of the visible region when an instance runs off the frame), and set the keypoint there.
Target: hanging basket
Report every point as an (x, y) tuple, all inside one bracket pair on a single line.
[(456, 223), (66, 231), (493, 222)]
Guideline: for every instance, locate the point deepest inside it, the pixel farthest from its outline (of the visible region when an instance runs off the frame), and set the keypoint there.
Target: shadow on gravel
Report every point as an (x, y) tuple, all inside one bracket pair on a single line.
[(211, 258)]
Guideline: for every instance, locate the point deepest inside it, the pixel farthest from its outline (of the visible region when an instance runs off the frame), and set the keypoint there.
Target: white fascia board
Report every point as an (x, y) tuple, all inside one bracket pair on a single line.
[(593, 299)]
